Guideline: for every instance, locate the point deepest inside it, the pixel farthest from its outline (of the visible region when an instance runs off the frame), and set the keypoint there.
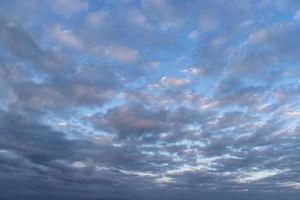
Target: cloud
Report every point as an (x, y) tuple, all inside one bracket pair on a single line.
[(21, 45), (65, 36), (69, 7), (149, 100), (164, 12), (297, 16), (136, 17), (269, 37), (122, 54), (172, 81), (97, 19), (193, 35), (134, 120), (84, 88)]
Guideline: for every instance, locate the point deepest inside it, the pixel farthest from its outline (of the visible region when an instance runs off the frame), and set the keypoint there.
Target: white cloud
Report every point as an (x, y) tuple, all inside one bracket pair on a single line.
[(208, 22), (153, 64), (193, 71), (193, 35), (255, 176), (297, 16), (64, 36), (136, 17), (96, 18), (121, 53), (171, 81), (291, 184), (258, 36), (164, 180)]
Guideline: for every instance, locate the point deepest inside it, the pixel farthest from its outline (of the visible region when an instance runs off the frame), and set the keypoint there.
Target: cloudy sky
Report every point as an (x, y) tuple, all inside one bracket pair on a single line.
[(149, 99)]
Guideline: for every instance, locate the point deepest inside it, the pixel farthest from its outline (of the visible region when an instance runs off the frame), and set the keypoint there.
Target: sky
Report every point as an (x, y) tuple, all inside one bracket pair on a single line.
[(149, 99)]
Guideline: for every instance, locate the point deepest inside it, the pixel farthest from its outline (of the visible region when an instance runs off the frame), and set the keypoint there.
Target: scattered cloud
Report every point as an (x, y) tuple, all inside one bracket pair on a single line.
[(158, 99), (121, 53), (65, 37), (297, 15), (193, 35), (172, 81)]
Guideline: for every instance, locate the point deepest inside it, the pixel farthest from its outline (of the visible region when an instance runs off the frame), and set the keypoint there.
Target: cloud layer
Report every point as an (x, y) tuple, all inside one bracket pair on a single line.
[(156, 99)]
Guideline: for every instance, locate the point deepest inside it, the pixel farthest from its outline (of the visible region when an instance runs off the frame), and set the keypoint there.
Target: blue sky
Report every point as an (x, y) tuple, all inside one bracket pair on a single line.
[(149, 99)]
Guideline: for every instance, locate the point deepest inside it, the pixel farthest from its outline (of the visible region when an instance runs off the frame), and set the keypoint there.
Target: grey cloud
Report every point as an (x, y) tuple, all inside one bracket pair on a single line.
[(280, 38), (35, 154), (69, 94), (83, 88), (165, 13), (22, 45), (219, 24), (266, 48), (135, 120)]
